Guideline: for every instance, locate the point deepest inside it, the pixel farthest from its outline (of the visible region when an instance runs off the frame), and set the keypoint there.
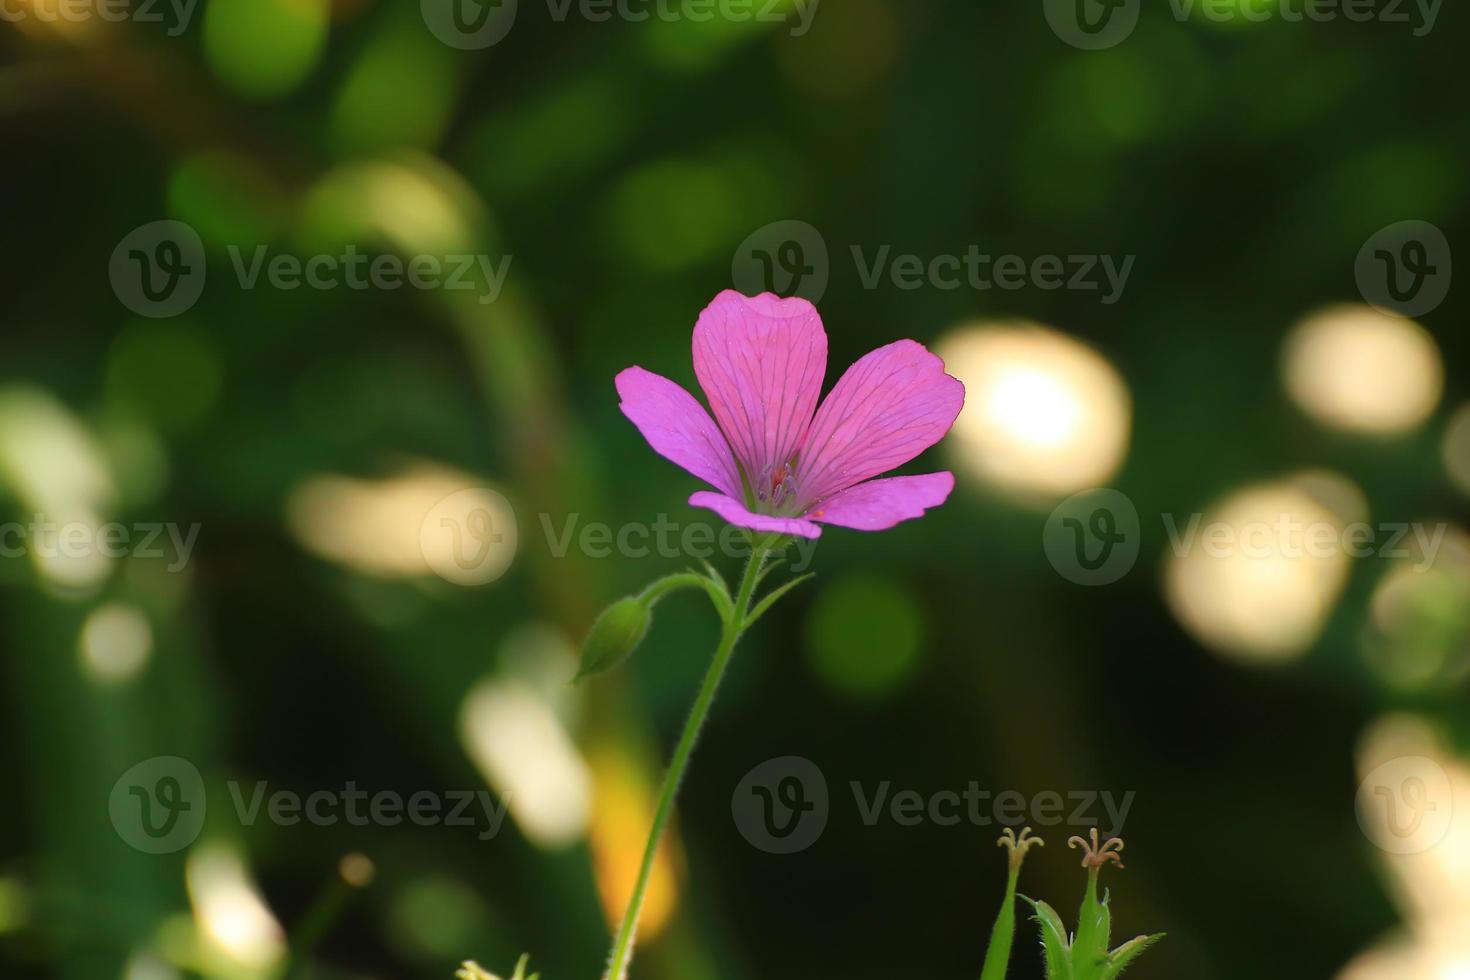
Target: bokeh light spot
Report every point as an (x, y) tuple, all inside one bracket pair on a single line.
[(1457, 449), (1255, 577), (264, 48), (1419, 626), (1354, 368), (115, 643), (863, 636), (169, 372), (1045, 415)]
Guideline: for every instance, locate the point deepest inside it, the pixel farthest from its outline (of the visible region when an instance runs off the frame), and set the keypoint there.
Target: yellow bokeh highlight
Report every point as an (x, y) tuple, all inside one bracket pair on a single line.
[(414, 524), (1354, 368), (1430, 886), (1457, 449), (1256, 577), (519, 744), (1045, 415), (619, 832), (115, 643), (240, 935)]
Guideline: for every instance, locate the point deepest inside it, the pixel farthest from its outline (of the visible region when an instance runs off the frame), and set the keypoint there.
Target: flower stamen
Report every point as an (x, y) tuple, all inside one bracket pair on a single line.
[(1018, 846), (1095, 855)]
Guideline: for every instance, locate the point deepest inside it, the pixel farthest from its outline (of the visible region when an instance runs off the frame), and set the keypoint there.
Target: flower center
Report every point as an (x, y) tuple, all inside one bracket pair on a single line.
[(776, 489)]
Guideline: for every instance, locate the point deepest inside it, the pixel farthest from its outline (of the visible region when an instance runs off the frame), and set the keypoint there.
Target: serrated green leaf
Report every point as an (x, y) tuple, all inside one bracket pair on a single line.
[(770, 600), (1055, 950), (1126, 954)]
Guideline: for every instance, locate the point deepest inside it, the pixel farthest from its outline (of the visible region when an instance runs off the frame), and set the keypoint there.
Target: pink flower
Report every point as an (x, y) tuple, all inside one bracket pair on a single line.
[(780, 462)]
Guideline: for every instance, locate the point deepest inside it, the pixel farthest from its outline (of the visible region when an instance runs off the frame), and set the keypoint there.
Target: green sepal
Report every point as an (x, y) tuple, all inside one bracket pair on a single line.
[(770, 600), (770, 567), (1056, 951), (1094, 927), (718, 592), (1125, 954), (470, 970)]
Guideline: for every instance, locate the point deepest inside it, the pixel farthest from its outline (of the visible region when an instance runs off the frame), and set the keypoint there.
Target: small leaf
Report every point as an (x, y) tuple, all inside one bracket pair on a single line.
[(470, 970), (771, 566), (1126, 954), (770, 600), (1056, 952), (719, 593), (614, 636), (723, 604), (1090, 947), (716, 577)]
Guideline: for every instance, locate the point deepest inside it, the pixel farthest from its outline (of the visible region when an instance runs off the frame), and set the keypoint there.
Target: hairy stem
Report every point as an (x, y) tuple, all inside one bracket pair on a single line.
[(622, 952), (1002, 935)]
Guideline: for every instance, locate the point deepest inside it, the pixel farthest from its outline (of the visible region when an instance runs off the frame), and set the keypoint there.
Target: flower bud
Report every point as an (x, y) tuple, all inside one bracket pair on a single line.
[(615, 635)]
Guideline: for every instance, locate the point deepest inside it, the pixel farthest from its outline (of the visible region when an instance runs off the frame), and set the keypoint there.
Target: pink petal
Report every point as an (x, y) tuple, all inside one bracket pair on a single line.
[(677, 427), (880, 504), (761, 362), (735, 512), (891, 405)]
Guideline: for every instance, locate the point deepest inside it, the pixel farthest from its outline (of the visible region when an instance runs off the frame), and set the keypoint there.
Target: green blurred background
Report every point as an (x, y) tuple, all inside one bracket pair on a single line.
[(317, 636)]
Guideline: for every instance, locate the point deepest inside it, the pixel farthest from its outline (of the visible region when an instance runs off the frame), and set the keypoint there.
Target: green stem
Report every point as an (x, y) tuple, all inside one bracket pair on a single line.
[(622, 953), (1002, 934), (661, 588)]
